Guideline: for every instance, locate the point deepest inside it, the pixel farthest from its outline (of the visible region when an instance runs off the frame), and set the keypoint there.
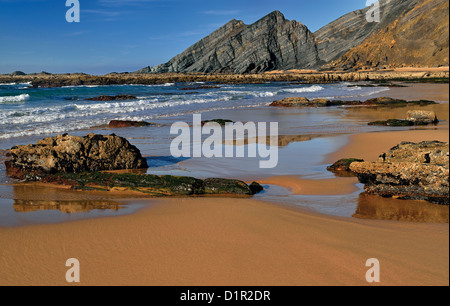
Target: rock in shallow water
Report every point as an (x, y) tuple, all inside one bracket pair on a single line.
[(418, 171), (73, 154)]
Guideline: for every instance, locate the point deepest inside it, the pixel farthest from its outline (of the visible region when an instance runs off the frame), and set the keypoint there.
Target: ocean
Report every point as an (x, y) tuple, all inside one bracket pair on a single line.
[(27, 113)]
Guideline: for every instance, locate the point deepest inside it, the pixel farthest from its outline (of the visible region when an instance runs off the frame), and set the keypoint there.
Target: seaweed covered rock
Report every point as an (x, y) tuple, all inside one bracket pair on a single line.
[(151, 185), (73, 154), (413, 118), (418, 171), (301, 102), (125, 124)]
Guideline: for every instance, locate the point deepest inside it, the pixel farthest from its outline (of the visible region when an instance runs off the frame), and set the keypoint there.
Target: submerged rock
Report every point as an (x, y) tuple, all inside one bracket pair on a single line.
[(112, 98), (221, 122), (414, 118), (393, 123), (383, 101), (302, 102), (418, 171), (125, 124), (73, 154)]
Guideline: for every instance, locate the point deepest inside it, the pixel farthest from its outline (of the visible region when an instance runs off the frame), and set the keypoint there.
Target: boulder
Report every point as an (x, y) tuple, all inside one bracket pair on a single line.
[(343, 164), (256, 188), (226, 186), (73, 154), (418, 171), (427, 117)]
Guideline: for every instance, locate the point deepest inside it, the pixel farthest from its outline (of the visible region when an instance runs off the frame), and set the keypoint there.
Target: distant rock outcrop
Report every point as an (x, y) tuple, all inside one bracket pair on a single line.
[(271, 43)]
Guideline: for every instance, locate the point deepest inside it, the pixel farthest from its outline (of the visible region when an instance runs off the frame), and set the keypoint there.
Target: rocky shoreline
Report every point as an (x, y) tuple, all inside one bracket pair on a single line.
[(417, 171), (48, 81), (78, 162)]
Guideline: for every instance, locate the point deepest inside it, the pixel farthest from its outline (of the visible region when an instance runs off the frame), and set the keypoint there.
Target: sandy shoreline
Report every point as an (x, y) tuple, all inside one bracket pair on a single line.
[(219, 241), (223, 241)]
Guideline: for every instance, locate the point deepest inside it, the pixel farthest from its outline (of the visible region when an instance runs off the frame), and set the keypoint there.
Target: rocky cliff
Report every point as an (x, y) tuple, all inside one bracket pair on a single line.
[(351, 30), (409, 33), (272, 43), (416, 35)]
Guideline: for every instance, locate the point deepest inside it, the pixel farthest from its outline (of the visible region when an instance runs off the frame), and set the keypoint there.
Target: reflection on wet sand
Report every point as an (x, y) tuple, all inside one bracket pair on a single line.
[(370, 114), (375, 207), (68, 207), (28, 198)]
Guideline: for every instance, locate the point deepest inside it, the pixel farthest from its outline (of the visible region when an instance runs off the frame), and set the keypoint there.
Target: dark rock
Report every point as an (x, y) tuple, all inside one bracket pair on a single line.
[(200, 87), (72, 154), (226, 186), (152, 185), (343, 164), (221, 122), (271, 43), (18, 73), (385, 101), (414, 118), (256, 188), (301, 102), (125, 124), (418, 171), (112, 98), (393, 123)]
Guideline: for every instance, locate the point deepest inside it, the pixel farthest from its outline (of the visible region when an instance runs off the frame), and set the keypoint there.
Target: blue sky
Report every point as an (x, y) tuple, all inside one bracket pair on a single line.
[(126, 35)]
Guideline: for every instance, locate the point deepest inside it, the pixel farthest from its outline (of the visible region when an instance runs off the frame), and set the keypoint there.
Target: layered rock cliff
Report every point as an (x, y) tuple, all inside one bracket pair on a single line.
[(272, 43), (417, 37), (409, 33), (352, 29)]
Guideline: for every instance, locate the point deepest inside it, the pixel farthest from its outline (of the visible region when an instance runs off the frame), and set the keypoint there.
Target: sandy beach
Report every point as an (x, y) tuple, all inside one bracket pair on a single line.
[(221, 241), (232, 241)]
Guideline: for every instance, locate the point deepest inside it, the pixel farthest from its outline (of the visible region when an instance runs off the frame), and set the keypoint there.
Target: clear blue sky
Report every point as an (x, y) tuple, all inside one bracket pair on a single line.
[(126, 35)]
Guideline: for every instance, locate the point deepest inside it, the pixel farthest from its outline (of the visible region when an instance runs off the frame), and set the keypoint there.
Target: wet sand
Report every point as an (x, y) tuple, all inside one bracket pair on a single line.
[(225, 242), (370, 146), (299, 186)]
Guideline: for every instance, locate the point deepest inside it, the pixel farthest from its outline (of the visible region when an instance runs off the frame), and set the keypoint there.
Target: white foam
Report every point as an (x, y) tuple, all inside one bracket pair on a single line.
[(314, 88), (12, 99)]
